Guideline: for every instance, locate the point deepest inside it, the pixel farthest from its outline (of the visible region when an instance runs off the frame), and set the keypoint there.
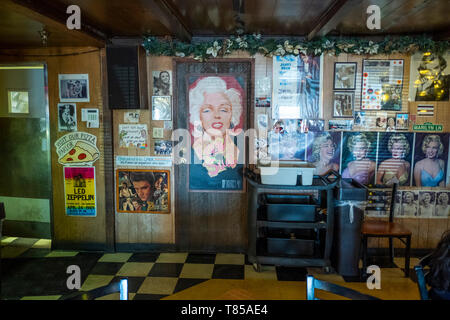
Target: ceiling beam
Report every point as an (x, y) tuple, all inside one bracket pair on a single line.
[(54, 13), (331, 18), (171, 18)]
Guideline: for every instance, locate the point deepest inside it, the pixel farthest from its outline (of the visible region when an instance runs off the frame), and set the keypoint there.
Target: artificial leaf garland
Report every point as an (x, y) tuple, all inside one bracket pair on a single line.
[(270, 47)]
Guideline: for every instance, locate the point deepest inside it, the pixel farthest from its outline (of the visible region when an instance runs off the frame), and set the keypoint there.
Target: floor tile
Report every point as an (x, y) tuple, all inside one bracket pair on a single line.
[(7, 240), (23, 242), (228, 271), (107, 268), (141, 296), (134, 283), (115, 257), (35, 253), (43, 244), (179, 257), (135, 269), (144, 257), (158, 285), (197, 271), (267, 273), (201, 258), (95, 281), (41, 297), (183, 284), (116, 296), (12, 252), (291, 273), (60, 253), (165, 270), (230, 258)]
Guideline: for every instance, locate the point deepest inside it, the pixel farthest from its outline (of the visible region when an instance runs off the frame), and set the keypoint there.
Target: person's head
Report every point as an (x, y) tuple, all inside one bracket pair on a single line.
[(142, 183), (159, 179), (124, 185), (135, 202), (398, 145), (164, 76), (214, 107), (439, 275), (323, 148), (358, 145), (443, 199), (408, 197), (432, 146), (426, 198)]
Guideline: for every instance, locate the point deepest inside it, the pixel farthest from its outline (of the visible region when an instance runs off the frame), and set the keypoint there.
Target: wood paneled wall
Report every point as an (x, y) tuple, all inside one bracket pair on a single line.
[(71, 232)]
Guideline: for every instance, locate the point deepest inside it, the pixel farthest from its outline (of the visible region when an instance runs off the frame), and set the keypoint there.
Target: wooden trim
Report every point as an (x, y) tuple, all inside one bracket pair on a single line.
[(330, 18)]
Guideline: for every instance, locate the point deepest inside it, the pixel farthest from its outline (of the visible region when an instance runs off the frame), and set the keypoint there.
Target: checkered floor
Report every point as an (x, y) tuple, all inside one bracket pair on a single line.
[(30, 270)]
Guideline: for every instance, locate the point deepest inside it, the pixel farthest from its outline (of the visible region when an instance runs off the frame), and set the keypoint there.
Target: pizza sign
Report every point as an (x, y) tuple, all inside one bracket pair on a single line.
[(77, 148)]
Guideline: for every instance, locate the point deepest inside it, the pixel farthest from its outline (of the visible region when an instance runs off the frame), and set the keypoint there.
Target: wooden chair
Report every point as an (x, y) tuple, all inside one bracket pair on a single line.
[(312, 284), (120, 286), (387, 229)]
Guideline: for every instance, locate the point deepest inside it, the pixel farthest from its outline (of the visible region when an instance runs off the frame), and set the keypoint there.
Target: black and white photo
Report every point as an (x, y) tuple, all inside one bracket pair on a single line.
[(345, 75), (409, 203), (343, 104), (426, 204), (73, 87), (161, 108), (67, 117), (162, 83)]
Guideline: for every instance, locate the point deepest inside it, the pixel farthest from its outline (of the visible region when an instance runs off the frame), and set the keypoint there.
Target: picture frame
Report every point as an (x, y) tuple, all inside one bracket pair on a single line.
[(129, 199), (161, 107), (162, 83), (67, 117), (18, 101), (73, 87), (345, 75), (343, 104), (402, 121)]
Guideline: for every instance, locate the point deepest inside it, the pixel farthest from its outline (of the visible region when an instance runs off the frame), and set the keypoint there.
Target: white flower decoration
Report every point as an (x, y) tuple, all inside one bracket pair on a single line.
[(214, 49)]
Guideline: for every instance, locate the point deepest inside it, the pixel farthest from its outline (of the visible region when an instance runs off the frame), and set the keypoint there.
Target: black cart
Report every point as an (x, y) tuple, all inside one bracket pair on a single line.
[(291, 225)]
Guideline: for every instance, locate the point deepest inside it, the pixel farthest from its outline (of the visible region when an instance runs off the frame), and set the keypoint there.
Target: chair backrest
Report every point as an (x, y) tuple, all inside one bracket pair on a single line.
[(312, 284), (120, 286), (392, 206), (421, 282)]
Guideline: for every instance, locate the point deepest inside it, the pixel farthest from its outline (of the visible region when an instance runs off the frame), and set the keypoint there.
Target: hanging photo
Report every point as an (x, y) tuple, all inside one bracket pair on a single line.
[(162, 83), (73, 87), (429, 77), (340, 125), (390, 124), (382, 85), (18, 101), (143, 191), (430, 159), (79, 190), (315, 125), (263, 121), (345, 75), (409, 203), (343, 104), (217, 109), (381, 120), (161, 108), (263, 102), (442, 209), (427, 200), (287, 141), (67, 117), (402, 121), (163, 147), (324, 151)]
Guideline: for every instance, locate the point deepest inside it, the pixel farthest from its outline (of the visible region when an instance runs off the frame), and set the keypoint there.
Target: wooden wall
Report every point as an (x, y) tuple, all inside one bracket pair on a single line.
[(71, 232)]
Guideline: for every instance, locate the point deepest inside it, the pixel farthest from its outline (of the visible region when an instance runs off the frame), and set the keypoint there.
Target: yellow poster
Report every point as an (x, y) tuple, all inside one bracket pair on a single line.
[(79, 191)]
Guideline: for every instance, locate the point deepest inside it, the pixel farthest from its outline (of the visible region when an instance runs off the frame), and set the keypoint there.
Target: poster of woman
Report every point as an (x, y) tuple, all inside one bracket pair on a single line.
[(442, 209), (409, 203), (426, 204), (430, 158), (358, 156), (394, 158), (217, 108), (324, 151)]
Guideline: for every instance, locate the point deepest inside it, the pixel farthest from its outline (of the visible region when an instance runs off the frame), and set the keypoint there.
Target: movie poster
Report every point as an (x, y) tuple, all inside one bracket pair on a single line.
[(324, 150), (79, 191)]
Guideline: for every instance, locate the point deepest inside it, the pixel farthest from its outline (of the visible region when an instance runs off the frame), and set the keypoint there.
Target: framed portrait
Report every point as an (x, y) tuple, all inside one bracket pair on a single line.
[(163, 147), (323, 151), (143, 191), (427, 201), (67, 117), (343, 104), (161, 108), (18, 101), (402, 121), (287, 141), (73, 87), (442, 209), (162, 83), (217, 109), (390, 124), (345, 75)]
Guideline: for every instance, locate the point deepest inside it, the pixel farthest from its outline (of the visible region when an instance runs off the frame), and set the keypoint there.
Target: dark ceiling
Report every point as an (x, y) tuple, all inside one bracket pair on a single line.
[(21, 20)]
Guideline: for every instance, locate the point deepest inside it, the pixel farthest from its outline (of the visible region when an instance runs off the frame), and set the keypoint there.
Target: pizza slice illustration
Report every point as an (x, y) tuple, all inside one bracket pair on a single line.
[(82, 152)]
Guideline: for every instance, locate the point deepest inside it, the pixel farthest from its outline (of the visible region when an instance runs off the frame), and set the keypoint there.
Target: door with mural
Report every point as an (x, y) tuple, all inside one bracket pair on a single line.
[(212, 111)]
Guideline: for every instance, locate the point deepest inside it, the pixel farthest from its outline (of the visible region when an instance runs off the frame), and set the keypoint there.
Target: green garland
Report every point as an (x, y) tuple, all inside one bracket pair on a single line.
[(270, 47)]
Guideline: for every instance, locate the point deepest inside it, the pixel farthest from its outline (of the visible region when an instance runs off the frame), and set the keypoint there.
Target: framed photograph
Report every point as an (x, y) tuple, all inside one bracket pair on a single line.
[(163, 147), (73, 87), (345, 75), (67, 117), (340, 125), (343, 104), (262, 102), (143, 191), (162, 83), (390, 124), (287, 141), (18, 101), (402, 121), (161, 108)]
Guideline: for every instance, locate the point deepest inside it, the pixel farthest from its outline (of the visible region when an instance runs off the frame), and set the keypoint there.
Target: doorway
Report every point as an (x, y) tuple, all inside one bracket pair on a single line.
[(25, 174)]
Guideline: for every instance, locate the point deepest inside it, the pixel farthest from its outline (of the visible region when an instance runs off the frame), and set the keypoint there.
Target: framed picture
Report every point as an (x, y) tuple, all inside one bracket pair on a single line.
[(402, 121), (344, 75), (343, 104), (67, 117), (163, 147), (162, 83), (390, 124), (18, 101), (161, 108), (143, 191), (287, 140), (73, 87)]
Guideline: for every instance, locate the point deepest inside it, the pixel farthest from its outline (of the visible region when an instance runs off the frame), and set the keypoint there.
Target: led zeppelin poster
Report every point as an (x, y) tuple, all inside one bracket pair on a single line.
[(79, 191)]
